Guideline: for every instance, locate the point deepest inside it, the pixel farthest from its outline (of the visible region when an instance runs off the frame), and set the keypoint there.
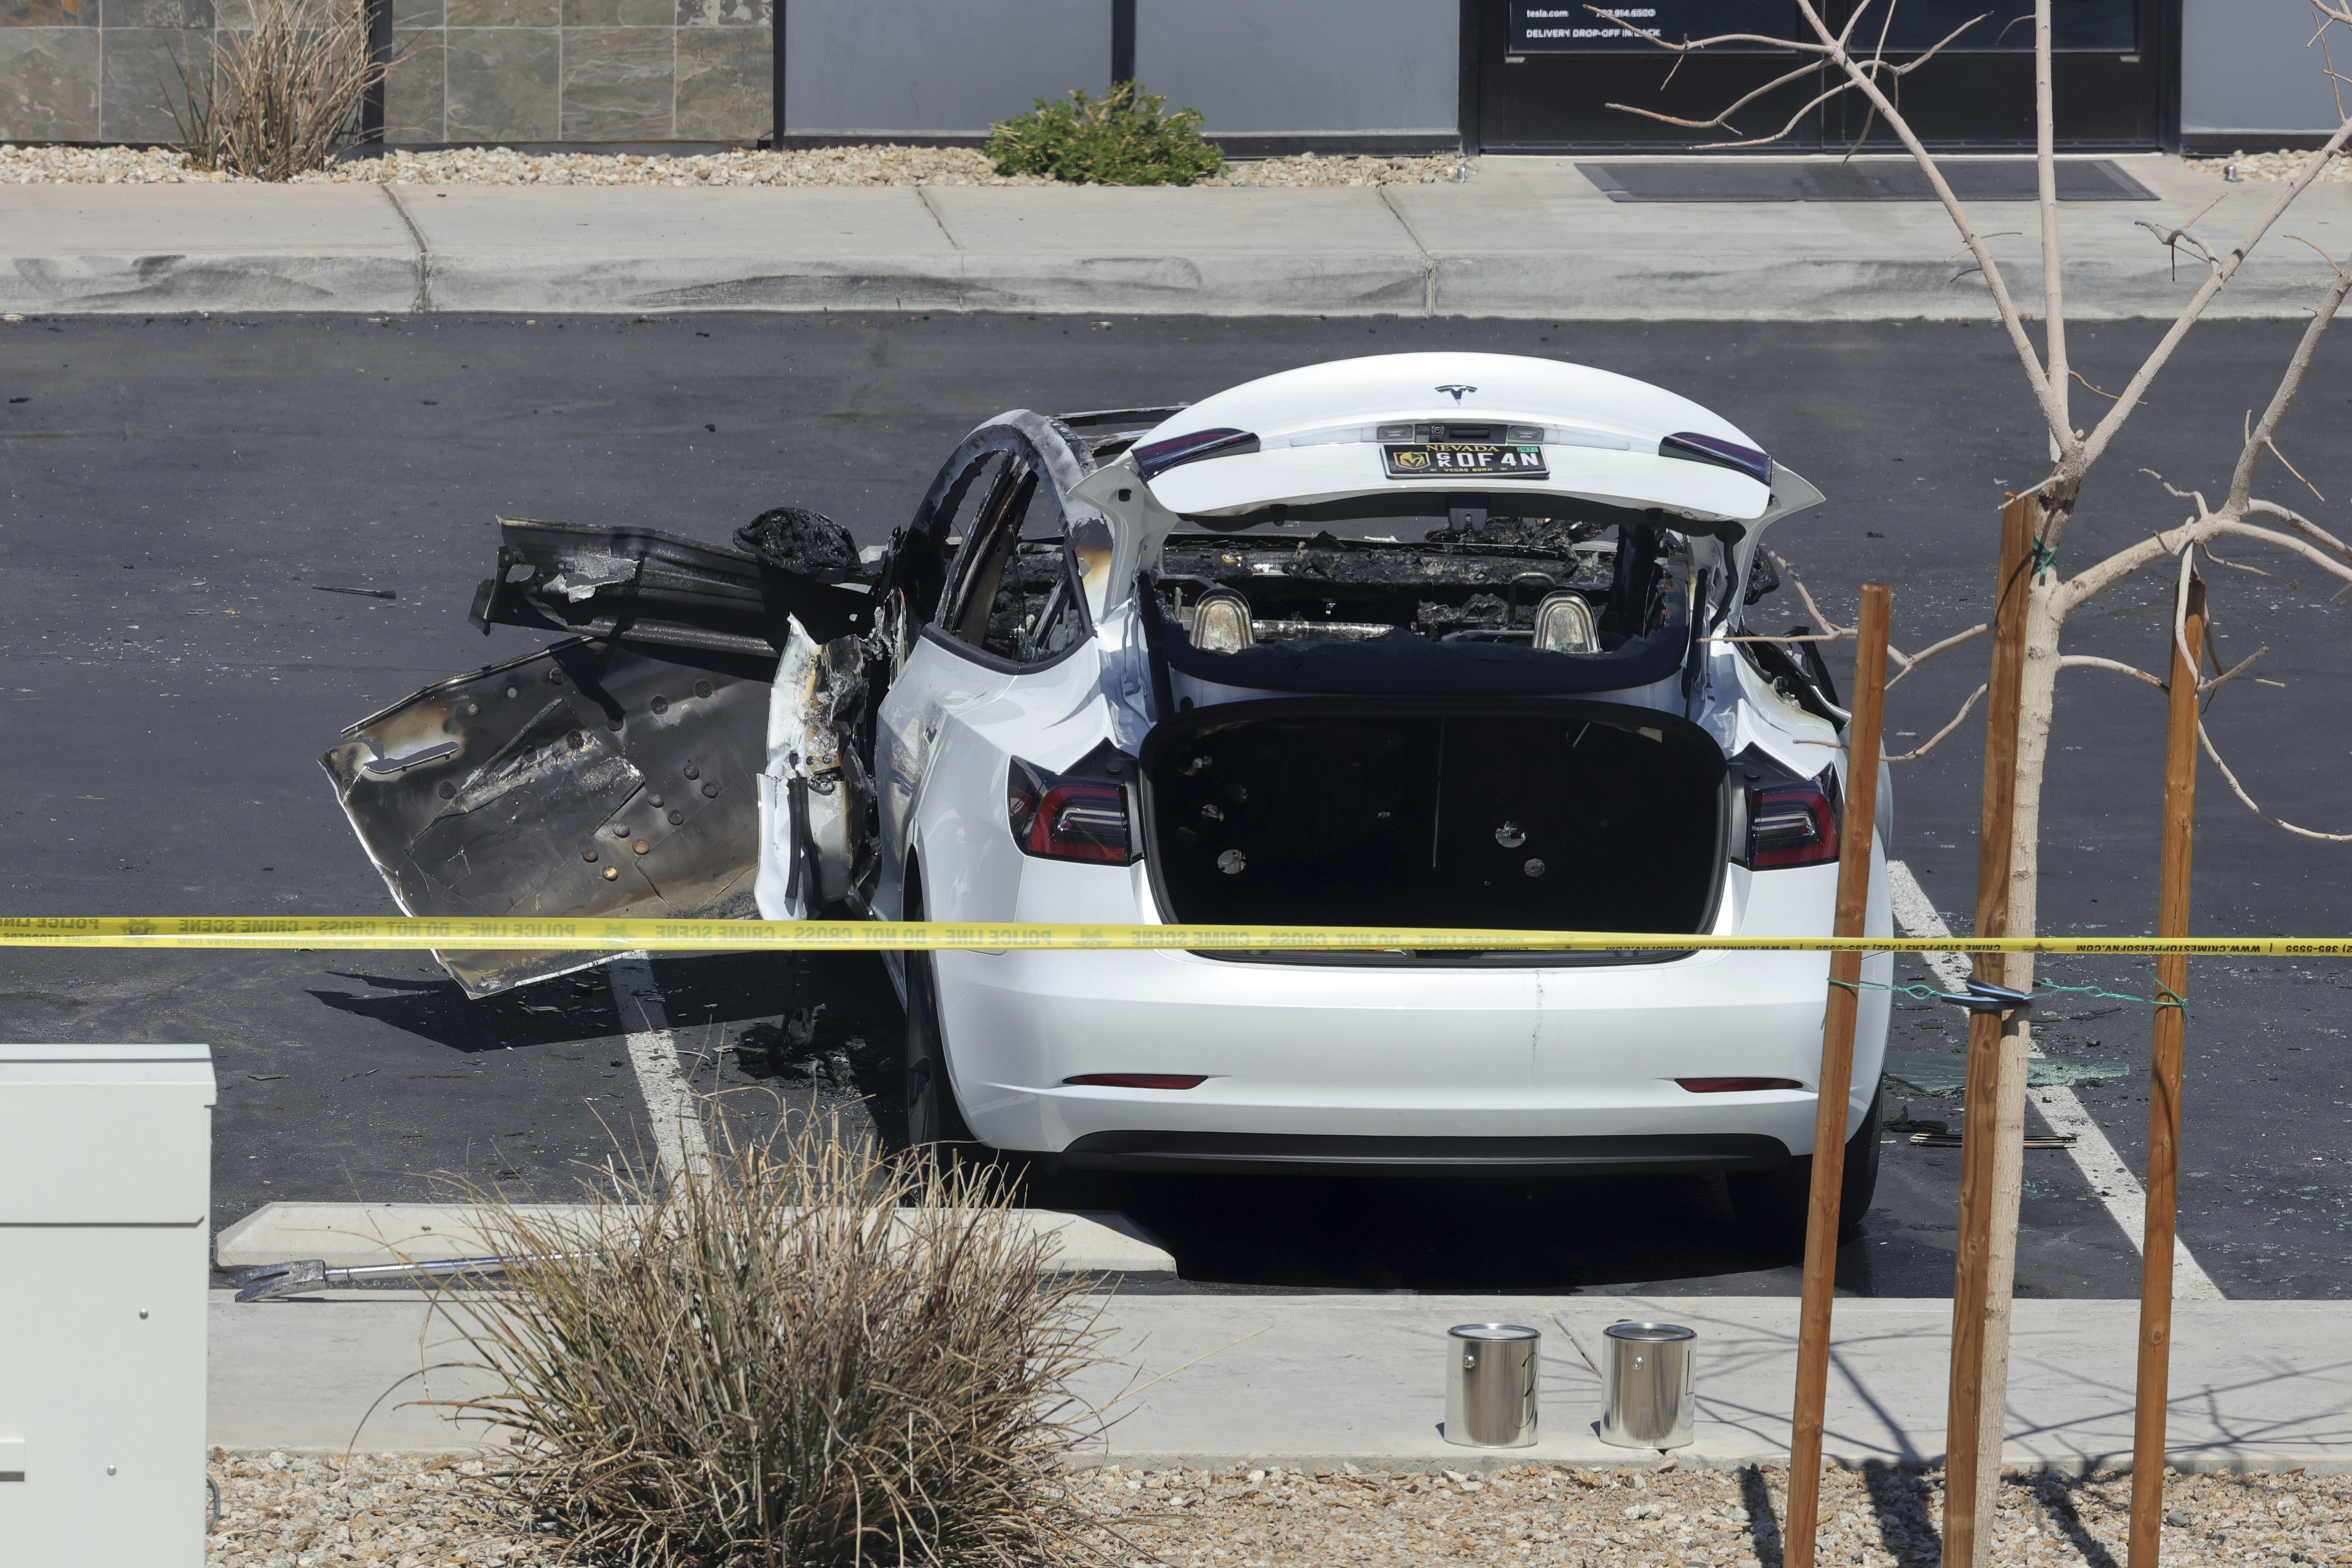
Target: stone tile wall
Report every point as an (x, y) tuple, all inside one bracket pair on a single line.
[(465, 71), (579, 70), (92, 70)]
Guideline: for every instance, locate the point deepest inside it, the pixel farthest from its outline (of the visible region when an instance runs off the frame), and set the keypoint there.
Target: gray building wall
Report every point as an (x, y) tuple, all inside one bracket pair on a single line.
[(1305, 67), (657, 70), (886, 68), (2249, 66), (883, 68)]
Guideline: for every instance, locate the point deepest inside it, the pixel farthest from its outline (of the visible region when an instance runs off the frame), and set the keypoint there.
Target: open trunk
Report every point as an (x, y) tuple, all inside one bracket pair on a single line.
[(1520, 814)]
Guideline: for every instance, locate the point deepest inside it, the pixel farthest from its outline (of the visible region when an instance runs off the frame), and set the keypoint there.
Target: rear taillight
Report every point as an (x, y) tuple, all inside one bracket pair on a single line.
[(1138, 1080), (1693, 447), (1734, 1085), (1061, 818), (1157, 458), (1793, 823)]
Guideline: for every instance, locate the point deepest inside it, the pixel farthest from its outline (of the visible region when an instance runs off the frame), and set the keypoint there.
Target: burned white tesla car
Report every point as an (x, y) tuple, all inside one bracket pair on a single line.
[(1429, 639)]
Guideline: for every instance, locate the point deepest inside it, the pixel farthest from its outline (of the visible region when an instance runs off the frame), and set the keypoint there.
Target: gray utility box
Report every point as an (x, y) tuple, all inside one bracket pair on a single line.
[(105, 1196)]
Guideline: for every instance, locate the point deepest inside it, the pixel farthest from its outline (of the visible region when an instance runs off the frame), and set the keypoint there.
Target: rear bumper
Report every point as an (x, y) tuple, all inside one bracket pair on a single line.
[(1328, 1154), (1336, 1069)]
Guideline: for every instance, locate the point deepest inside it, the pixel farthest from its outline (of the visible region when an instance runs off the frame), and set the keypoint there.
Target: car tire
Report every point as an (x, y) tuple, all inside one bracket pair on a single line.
[(933, 1117), (1773, 1205)]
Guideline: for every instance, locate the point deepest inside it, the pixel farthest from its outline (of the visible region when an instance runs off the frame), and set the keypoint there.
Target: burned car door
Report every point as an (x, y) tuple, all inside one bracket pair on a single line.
[(609, 774), (1019, 599), (818, 843)]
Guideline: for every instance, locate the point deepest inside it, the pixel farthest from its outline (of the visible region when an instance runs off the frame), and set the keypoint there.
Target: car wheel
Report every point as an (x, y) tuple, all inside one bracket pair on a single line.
[(1772, 1205), (932, 1115)]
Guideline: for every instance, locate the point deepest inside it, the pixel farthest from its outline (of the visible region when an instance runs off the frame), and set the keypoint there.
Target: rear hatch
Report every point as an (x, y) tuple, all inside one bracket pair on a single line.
[(1525, 814)]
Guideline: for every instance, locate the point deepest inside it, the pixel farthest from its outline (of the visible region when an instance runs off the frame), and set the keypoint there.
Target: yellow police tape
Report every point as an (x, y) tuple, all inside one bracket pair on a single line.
[(853, 936)]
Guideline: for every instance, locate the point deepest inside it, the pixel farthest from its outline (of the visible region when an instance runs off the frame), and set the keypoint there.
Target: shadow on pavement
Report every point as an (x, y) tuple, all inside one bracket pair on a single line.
[(1672, 1235), (555, 1012)]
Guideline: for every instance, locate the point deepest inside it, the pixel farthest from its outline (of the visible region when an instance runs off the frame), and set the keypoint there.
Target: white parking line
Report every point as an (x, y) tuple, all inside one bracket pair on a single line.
[(679, 1144), (2101, 1166)]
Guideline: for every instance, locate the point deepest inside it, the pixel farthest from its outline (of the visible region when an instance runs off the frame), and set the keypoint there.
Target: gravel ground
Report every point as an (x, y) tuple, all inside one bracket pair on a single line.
[(401, 1511), (2279, 166), (417, 1513), (888, 165)]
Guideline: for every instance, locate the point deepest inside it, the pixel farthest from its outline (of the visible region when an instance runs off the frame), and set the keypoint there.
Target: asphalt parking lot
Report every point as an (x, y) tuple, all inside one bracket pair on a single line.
[(224, 538)]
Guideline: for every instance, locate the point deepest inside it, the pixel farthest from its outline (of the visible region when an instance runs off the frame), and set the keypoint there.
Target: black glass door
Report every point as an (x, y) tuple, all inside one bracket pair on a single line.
[(1977, 91), (1551, 73)]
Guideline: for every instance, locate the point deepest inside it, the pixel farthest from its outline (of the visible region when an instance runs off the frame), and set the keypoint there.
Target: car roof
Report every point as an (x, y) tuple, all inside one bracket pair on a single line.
[(1603, 436)]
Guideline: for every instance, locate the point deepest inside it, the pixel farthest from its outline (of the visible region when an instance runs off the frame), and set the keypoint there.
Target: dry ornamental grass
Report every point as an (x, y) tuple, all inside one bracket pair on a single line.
[(282, 94), (802, 1353)]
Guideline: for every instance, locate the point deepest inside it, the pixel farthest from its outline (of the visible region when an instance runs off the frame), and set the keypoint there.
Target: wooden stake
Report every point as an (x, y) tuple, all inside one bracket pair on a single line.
[(1835, 1091), (1972, 1275), (2164, 1097)]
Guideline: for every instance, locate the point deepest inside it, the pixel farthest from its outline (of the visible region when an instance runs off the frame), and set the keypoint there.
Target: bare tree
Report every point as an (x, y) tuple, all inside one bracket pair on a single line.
[(2073, 452), (1837, 66)]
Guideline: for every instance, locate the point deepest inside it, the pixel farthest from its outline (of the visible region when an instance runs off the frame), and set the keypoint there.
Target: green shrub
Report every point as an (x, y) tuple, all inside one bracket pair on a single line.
[(1124, 138)]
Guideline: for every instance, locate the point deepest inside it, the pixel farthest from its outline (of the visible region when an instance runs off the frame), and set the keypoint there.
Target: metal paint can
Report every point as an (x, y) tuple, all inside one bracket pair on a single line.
[(1646, 1398), (1490, 1385)]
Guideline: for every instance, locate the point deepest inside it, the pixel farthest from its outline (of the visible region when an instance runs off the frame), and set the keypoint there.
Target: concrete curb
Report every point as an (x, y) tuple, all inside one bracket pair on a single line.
[(608, 284), (1821, 288), (358, 1236), (1562, 288), (1529, 238), (122, 283)]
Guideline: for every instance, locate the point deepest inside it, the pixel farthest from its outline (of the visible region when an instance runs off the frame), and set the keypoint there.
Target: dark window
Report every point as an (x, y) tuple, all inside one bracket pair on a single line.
[(1015, 596), (1571, 27), (2008, 26)]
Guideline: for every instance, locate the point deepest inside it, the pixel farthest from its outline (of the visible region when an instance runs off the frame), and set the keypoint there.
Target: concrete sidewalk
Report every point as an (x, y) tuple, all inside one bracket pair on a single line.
[(379, 1236), (1306, 1380), (1529, 237)]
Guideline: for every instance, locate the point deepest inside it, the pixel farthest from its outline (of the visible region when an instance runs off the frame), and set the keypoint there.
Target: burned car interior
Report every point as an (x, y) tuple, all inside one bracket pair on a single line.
[(1582, 603), (1415, 752), (1551, 815)]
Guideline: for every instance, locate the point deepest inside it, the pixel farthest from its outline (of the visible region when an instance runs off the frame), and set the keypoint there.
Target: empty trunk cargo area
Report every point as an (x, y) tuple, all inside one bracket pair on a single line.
[(1527, 814)]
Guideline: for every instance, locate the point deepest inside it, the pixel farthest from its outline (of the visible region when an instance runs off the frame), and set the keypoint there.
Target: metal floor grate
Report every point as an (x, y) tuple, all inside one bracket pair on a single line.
[(1861, 180)]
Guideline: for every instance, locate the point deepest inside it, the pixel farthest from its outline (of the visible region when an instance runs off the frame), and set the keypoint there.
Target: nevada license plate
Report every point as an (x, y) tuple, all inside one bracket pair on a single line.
[(1459, 459)]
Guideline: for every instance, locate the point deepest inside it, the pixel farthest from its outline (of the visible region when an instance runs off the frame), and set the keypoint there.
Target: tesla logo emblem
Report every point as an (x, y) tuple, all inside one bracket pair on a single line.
[(1457, 390)]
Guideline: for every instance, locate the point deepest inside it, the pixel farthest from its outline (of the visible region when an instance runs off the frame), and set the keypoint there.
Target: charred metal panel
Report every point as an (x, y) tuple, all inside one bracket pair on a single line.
[(591, 779), (818, 827), (647, 586)]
